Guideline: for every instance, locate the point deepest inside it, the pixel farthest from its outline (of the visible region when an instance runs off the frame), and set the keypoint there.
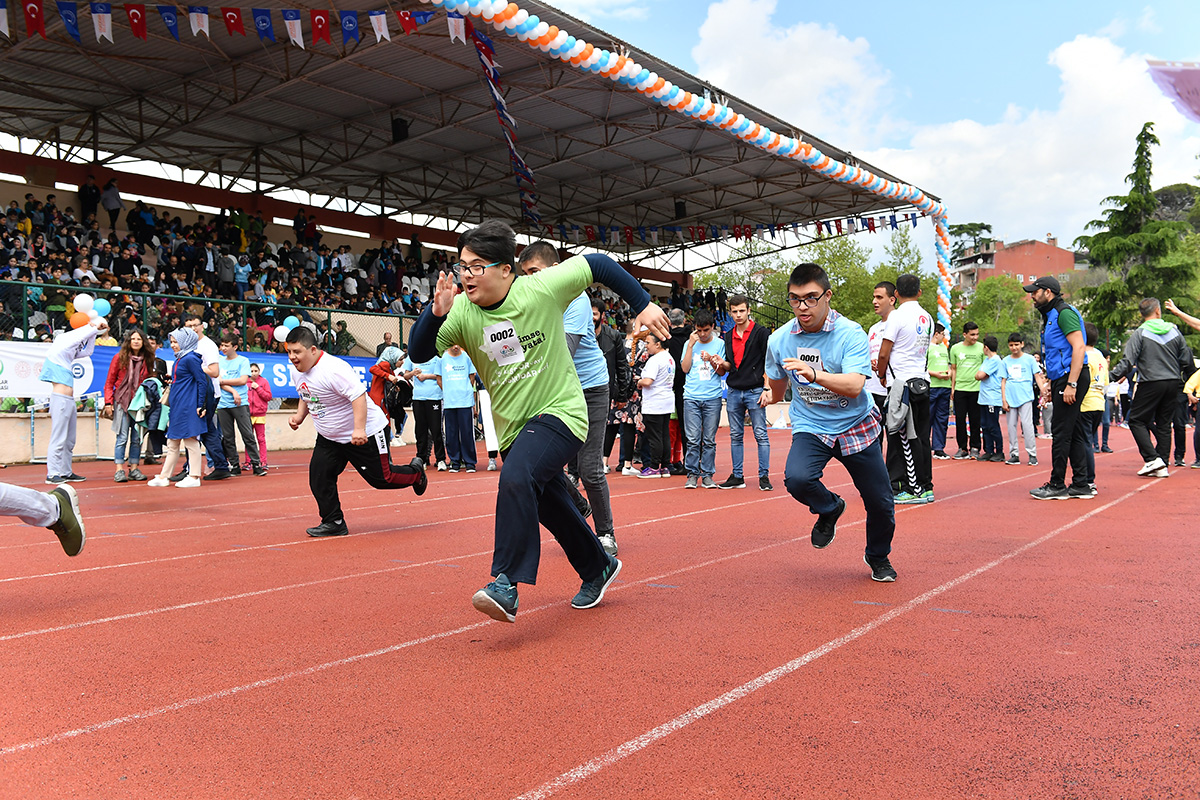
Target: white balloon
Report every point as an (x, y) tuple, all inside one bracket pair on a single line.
[(93, 315), (83, 302), (281, 333)]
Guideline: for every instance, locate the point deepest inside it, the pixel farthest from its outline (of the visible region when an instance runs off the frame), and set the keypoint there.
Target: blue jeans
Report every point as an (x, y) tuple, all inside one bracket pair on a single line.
[(939, 412), (214, 448), (737, 403), (127, 434), (532, 490), (700, 421), (802, 478)]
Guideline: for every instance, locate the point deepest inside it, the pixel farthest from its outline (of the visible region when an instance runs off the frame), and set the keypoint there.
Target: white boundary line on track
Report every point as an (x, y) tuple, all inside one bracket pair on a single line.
[(193, 701), (607, 759)]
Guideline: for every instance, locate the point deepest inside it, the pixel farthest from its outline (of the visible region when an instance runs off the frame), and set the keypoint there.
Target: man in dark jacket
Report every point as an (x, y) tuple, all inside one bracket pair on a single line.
[(1161, 356), (680, 333), (746, 355)]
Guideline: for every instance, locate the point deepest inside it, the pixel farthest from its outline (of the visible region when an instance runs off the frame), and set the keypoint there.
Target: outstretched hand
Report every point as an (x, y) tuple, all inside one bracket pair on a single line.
[(656, 320), (443, 294)]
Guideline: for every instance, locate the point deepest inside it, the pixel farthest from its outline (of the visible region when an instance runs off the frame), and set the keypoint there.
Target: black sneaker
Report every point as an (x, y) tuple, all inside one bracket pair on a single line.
[(1049, 491), (423, 481), (329, 529), (582, 505), (260, 471), (218, 475), (498, 599), (235, 471), (54, 480), (677, 469), (592, 592), (73, 478), (69, 527), (1105, 448), (961, 455), (1179, 462), (1033, 461), (1196, 464), (940, 455), (881, 569), (733, 482), (1013, 459), (178, 476), (764, 483), (826, 527), (1084, 493)]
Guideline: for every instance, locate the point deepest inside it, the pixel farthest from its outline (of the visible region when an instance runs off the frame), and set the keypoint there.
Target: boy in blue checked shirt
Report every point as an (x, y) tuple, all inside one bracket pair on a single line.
[(826, 359)]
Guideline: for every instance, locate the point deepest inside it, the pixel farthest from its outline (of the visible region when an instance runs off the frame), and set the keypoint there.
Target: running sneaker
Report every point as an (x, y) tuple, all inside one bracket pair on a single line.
[(73, 478), (470, 469), (881, 569), (1159, 473), (692, 482), (441, 466), (69, 527), (764, 484), (1179, 462), (733, 482), (1082, 493), (1151, 467), (1196, 464), (609, 542), (927, 496), (940, 455), (961, 455), (422, 482), (492, 466), (592, 592), (135, 474), (54, 480), (454, 467), (328, 529), (260, 470), (630, 471), (973, 454), (826, 526), (498, 599), (189, 482), (650, 472), (907, 499), (707, 482), (158, 480), (120, 477), (1013, 459), (1049, 491), (1105, 449), (1033, 461)]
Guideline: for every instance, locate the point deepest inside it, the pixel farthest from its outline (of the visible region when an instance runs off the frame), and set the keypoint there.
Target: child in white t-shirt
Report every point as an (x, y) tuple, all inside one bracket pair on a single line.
[(658, 401)]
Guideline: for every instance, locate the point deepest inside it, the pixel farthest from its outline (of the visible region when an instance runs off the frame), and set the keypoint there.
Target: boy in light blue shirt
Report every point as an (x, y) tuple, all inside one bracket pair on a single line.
[(458, 407), (426, 380), (1017, 385), (233, 408), (702, 362), (991, 399)]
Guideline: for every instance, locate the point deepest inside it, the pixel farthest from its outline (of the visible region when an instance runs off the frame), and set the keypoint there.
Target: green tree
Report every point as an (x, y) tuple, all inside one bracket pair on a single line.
[(967, 234), (902, 254), (1000, 306), (1136, 249)]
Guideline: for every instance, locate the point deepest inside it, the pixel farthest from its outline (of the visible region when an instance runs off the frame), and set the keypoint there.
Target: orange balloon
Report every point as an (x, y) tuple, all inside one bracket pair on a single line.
[(79, 319), (511, 10)]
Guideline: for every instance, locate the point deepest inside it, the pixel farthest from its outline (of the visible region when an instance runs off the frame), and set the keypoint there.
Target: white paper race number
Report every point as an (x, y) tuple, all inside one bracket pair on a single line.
[(811, 356), (502, 345)]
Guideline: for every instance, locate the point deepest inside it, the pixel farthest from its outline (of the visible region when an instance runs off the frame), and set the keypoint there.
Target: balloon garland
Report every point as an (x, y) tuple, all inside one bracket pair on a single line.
[(518, 23)]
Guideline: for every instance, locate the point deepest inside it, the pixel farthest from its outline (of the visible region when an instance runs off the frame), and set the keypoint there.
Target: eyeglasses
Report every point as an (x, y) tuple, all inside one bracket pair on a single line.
[(808, 301), (472, 269)]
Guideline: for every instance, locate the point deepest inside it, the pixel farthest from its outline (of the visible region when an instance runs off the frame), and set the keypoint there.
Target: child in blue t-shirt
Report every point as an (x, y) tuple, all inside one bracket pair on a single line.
[(991, 400)]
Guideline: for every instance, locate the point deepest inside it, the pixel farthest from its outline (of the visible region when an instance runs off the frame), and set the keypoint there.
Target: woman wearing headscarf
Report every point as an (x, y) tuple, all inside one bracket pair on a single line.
[(190, 399)]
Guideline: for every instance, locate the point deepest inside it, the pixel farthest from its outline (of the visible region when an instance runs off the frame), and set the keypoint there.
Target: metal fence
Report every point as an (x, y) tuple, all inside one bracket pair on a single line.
[(39, 309)]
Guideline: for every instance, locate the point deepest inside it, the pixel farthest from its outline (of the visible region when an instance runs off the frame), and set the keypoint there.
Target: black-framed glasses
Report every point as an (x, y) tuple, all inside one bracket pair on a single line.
[(808, 301), (472, 269)]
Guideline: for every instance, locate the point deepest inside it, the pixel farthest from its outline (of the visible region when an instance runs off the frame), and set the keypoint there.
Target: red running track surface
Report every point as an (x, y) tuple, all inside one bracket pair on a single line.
[(203, 647)]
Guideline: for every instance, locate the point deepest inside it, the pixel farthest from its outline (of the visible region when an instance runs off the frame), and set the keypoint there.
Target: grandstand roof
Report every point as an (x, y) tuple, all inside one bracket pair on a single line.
[(320, 120)]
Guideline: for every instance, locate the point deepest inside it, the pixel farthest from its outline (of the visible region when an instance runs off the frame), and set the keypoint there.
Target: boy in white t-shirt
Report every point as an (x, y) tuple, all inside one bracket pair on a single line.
[(349, 430), (658, 401)]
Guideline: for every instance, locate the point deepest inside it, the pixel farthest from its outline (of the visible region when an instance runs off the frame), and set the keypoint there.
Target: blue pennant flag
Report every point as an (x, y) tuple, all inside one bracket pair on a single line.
[(70, 17), (170, 18), (349, 26), (262, 23), (421, 17)]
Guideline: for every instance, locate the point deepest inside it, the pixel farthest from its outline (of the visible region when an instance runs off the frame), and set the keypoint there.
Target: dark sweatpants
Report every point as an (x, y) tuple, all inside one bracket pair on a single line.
[(1153, 409), (966, 409), (427, 417), (372, 461), (1072, 440), (533, 490)]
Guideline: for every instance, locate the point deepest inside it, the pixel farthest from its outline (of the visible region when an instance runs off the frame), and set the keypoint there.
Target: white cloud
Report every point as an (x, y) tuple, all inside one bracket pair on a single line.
[(809, 74), (612, 9), (1032, 172), (1147, 22)]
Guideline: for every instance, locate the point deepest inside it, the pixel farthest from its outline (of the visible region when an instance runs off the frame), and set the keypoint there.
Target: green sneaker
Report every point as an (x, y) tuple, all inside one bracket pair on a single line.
[(498, 599), (592, 592), (907, 499), (69, 528), (927, 496)]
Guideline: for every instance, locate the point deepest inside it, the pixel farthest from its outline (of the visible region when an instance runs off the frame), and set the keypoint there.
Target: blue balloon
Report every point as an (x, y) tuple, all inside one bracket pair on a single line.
[(102, 307), (292, 322)]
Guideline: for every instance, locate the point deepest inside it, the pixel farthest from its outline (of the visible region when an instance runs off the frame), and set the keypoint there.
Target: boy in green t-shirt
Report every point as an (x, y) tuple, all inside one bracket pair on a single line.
[(513, 330), (937, 364), (965, 359)]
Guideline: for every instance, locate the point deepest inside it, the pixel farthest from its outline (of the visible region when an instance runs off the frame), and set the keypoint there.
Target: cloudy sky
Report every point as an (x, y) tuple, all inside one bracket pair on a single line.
[(1019, 114)]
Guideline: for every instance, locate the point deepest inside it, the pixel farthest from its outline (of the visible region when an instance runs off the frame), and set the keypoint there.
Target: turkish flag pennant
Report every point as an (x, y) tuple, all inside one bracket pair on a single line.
[(407, 22), (837, 223), (320, 26), (233, 20), (35, 20), (137, 19)]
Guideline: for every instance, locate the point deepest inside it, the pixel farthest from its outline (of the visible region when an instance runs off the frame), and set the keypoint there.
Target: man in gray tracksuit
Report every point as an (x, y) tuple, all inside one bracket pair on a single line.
[(1161, 356)]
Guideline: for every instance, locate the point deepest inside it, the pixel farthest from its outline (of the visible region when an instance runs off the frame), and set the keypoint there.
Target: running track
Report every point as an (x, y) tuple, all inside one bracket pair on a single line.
[(203, 647)]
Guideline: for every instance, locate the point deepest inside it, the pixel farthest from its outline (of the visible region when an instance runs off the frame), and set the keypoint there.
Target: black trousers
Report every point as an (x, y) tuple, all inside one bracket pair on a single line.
[(372, 461), (427, 416), (910, 464), (1072, 439), (1183, 414), (966, 409), (1154, 405), (658, 432)]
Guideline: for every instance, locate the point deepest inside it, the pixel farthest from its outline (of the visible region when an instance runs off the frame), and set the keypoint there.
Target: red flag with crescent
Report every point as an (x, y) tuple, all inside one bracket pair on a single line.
[(233, 20), (407, 22), (320, 26), (35, 20), (137, 19)]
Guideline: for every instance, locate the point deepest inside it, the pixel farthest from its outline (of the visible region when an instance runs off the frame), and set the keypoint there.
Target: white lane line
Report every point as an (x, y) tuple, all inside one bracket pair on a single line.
[(607, 759), (154, 712)]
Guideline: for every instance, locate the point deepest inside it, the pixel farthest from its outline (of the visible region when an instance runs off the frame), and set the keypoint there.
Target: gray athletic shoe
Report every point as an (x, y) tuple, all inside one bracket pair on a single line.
[(692, 482), (708, 483)]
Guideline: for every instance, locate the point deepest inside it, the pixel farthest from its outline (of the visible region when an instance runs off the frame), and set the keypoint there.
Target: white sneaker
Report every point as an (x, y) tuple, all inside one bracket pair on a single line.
[(158, 481), (492, 465), (190, 482), (1151, 467), (441, 466), (607, 469), (609, 543), (630, 471), (1159, 473)]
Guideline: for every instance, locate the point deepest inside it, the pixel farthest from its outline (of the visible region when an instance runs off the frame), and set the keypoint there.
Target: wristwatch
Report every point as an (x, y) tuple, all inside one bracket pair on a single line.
[(1073, 384)]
